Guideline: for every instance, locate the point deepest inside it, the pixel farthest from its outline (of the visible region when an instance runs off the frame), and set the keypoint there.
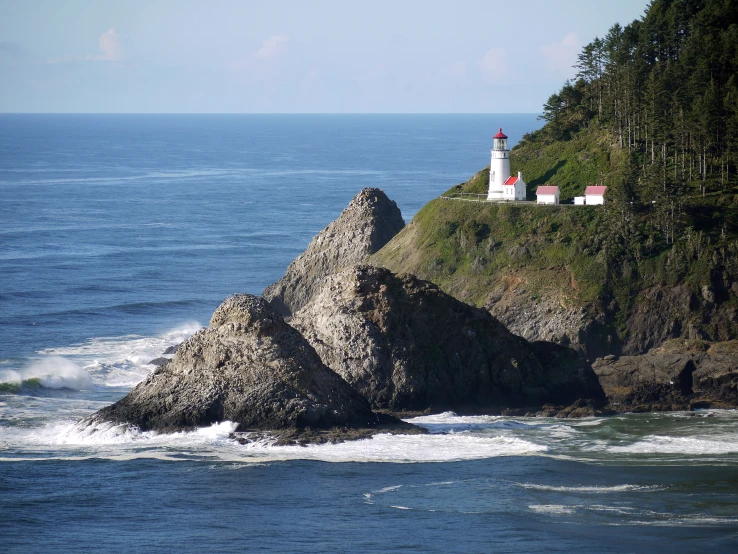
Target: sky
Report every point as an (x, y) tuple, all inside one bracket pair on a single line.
[(275, 56)]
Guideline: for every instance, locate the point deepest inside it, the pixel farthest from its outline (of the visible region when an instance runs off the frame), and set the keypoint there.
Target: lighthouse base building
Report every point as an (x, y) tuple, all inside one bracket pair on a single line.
[(514, 188), (502, 186)]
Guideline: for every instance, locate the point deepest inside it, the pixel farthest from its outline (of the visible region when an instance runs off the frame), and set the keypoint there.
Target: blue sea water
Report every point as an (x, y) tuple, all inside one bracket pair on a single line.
[(119, 236)]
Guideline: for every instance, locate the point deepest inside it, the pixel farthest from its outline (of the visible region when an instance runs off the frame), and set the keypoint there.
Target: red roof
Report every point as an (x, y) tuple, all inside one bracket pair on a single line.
[(500, 134), (547, 189), (595, 189), (511, 181)]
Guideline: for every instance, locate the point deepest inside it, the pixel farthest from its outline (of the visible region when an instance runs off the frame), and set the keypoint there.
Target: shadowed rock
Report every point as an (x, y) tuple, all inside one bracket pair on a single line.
[(365, 226), (407, 346), (679, 375), (251, 368)]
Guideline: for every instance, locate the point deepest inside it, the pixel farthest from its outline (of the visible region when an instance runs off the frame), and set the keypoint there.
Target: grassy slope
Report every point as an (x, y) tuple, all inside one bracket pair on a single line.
[(467, 248), (572, 165)]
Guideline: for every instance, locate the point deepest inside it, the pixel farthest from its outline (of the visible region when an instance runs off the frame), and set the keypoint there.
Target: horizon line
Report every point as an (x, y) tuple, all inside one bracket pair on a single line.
[(270, 113)]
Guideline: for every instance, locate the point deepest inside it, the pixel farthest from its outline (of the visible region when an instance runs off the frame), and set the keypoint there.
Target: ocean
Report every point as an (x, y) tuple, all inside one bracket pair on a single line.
[(121, 234)]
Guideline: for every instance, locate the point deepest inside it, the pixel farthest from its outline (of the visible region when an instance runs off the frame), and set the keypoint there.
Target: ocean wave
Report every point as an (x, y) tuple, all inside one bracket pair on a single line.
[(656, 444), (552, 509), (596, 489), (104, 433), (120, 441), (123, 361), (450, 418), (404, 449), (53, 372)]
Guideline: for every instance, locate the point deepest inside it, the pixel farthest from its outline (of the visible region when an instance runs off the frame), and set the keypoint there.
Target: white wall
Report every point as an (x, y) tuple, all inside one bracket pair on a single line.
[(548, 198), (595, 199)]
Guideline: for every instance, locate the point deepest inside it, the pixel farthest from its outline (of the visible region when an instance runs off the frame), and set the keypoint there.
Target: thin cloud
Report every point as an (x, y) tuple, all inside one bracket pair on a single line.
[(108, 46), (273, 47), (493, 65), (260, 64), (561, 56)]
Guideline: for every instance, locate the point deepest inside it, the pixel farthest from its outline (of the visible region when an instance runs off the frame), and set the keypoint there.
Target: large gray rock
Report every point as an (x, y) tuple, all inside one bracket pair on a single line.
[(248, 367), (547, 318), (365, 226), (407, 346), (677, 375)]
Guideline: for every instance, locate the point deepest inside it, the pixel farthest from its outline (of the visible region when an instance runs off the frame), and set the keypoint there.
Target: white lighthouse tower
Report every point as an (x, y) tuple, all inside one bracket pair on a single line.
[(499, 167)]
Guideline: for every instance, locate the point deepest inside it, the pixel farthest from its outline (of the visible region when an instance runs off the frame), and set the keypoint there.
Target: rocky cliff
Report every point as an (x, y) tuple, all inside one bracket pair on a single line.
[(365, 226), (406, 345), (251, 368)]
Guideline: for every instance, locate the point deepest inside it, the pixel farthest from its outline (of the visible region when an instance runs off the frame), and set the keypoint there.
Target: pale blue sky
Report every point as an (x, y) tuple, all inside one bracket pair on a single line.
[(294, 56)]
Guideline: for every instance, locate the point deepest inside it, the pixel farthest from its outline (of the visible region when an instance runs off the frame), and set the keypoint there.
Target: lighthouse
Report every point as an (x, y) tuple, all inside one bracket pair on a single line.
[(499, 167)]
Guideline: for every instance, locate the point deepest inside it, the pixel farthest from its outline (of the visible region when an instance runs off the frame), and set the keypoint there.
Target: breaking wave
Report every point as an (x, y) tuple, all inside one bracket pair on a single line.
[(594, 489), (53, 372), (679, 445), (123, 361)]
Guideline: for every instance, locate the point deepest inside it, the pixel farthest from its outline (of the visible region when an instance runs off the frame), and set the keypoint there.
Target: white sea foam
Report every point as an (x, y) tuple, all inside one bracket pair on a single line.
[(656, 444), (107, 433), (122, 361), (116, 441), (450, 418), (552, 509), (592, 488), (52, 372), (389, 489), (405, 449)]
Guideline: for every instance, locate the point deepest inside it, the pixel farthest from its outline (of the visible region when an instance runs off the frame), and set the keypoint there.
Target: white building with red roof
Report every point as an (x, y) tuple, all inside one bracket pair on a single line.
[(594, 195), (547, 194), (514, 188), (501, 185)]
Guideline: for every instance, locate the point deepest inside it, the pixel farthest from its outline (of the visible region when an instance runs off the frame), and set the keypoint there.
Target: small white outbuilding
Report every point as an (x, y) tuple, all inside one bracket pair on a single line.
[(547, 194), (579, 200), (595, 195)]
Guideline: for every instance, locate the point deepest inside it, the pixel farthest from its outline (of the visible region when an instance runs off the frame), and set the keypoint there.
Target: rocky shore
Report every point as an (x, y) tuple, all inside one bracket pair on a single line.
[(679, 375), (364, 345)]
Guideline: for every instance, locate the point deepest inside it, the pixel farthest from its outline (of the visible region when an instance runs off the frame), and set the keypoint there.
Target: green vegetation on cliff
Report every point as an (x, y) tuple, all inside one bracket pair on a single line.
[(652, 114)]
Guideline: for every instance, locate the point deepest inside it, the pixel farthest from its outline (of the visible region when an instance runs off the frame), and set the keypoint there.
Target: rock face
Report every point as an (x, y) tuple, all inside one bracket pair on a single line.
[(365, 226), (678, 375), (248, 367), (407, 346), (548, 318)]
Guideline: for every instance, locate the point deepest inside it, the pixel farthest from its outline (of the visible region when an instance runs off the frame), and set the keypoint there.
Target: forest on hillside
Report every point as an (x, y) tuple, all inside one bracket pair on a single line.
[(665, 90)]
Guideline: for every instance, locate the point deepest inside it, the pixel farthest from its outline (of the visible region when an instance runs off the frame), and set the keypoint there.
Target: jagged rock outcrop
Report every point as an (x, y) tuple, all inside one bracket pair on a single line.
[(251, 368), (678, 375), (408, 346), (365, 226)]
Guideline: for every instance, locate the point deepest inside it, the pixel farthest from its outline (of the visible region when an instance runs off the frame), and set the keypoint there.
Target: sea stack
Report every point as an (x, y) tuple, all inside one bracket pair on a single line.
[(407, 346), (251, 368), (366, 225)]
